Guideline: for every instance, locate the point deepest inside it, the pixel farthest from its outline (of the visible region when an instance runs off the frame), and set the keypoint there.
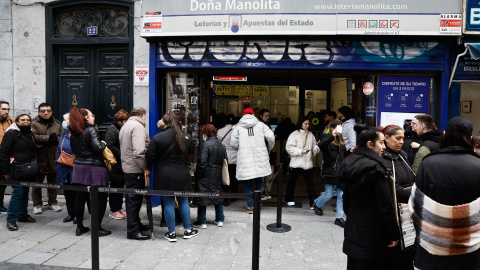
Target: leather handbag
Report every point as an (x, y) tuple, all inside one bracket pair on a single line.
[(64, 158), (225, 175), (26, 171), (109, 158)]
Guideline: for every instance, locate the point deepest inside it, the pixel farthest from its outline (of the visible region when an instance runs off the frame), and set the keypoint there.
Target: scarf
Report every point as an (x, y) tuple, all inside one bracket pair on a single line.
[(445, 230)]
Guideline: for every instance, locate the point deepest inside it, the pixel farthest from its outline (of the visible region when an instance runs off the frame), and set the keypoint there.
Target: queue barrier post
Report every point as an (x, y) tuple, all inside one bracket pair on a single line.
[(257, 197), (95, 227), (279, 227)]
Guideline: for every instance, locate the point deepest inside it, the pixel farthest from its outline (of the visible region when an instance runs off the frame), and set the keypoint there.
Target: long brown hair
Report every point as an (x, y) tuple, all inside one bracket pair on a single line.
[(77, 119), (333, 125), (171, 120)]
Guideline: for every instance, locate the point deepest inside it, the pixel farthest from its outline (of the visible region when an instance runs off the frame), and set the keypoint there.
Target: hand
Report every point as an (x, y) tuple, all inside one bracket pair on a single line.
[(315, 152), (393, 244), (6, 176), (334, 132), (52, 139), (304, 152), (353, 149), (415, 145), (148, 172)]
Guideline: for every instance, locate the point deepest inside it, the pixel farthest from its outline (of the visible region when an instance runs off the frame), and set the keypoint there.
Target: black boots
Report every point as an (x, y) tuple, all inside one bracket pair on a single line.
[(12, 225)]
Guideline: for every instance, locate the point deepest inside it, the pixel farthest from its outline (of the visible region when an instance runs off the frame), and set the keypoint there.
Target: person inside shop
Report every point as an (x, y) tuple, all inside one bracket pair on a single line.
[(329, 117), (346, 115), (265, 118)]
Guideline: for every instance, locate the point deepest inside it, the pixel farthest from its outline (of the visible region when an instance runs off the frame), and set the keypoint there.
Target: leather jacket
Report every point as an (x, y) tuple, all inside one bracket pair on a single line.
[(87, 147)]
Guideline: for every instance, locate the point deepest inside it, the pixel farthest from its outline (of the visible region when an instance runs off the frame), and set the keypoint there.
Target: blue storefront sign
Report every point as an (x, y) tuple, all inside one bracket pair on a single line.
[(472, 15)]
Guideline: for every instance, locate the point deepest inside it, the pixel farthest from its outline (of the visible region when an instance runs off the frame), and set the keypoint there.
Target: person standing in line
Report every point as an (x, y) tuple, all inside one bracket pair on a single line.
[(371, 227), (346, 115), (333, 149), (329, 117), (18, 144), (88, 166), (5, 122), (46, 130), (264, 117), (302, 147), (429, 137), (404, 178), (249, 137), (116, 176), (476, 142), (169, 154), (64, 172), (134, 141), (444, 203), (224, 135), (208, 176)]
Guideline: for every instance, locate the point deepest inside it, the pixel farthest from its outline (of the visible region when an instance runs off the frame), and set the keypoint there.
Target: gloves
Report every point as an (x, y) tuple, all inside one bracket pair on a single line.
[(53, 140)]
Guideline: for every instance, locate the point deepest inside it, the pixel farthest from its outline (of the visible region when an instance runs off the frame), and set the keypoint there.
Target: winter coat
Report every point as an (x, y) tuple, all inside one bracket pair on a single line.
[(87, 147), (403, 173), (332, 158), (449, 176), (208, 175), (113, 143), (224, 135), (134, 142), (5, 124), (298, 141), (284, 130), (170, 164), (371, 224), (348, 133), (18, 145), (64, 172), (410, 137), (46, 152), (248, 137), (430, 142)]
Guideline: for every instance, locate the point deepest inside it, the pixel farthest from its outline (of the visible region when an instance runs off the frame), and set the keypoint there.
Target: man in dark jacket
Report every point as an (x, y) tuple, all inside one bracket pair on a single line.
[(46, 130), (429, 137), (5, 122)]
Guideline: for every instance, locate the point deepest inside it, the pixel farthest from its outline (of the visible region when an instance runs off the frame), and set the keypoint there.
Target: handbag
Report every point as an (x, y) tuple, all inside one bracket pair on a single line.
[(225, 175), (64, 158), (109, 158), (26, 171)]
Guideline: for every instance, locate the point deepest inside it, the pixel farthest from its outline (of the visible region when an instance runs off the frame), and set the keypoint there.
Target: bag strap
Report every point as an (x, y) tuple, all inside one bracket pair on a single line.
[(306, 138), (226, 134), (407, 165), (61, 146)]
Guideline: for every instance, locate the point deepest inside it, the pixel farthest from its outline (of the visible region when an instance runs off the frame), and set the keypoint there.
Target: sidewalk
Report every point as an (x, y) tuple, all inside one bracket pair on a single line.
[(313, 243)]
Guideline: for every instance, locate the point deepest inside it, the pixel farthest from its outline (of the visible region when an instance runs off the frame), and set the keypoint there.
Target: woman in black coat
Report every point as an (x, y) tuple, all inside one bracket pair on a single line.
[(18, 143), (208, 176), (371, 227)]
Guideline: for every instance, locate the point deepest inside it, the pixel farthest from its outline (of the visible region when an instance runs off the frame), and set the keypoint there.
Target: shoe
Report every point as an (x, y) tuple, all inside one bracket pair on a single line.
[(291, 203), (335, 209), (116, 215), (3, 210), (171, 237), (55, 208), (74, 220), (142, 227), (198, 225), (311, 207), (123, 212), (250, 210), (317, 210), (12, 225), (268, 195), (190, 234), (138, 236), (334, 204), (340, 222), (103, 232), (27, 219), (37, 210), (264, 197), (81, 230), (225, 202), (218, 223), (68, 219)]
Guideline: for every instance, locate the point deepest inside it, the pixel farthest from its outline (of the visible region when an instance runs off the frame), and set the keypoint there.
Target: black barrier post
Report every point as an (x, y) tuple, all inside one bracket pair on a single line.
[(95, 227), (257, 197), (279, 227)]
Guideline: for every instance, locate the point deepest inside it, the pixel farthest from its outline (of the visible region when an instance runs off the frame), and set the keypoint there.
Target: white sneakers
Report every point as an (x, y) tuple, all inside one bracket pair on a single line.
[(218, 223), (291, 203), (54, 208), (37, 210)]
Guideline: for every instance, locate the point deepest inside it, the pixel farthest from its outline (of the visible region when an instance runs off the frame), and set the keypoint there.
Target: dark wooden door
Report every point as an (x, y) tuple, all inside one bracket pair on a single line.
[(96, 77)]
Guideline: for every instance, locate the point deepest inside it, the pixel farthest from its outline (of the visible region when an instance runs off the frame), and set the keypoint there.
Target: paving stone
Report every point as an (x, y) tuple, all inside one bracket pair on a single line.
[(29, 257), (15, 247)]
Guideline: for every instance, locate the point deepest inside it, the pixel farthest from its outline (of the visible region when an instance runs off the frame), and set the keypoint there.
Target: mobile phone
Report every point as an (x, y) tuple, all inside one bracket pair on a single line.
[(309, 150)]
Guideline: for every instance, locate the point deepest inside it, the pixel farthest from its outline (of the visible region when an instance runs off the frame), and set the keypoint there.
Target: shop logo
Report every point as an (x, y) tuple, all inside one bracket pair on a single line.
[(362, 24), (235, 22), (373, 24), (351, 24), (394, 24), (383, 24)]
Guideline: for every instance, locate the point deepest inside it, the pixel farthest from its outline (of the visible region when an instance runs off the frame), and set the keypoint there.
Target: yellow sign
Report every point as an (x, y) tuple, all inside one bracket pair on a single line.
[(315, 121), (242, 90), (223, 90), (261, 90)]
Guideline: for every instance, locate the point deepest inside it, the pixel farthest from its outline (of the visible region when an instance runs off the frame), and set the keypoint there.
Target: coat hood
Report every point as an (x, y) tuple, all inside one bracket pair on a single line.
[(432, 135), (248, 121), (13, 127)]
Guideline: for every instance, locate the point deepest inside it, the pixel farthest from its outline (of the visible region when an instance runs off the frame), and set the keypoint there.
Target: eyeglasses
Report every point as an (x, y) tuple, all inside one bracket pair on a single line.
[(45, 111), (23, 120), (4, 109), (413, 124)]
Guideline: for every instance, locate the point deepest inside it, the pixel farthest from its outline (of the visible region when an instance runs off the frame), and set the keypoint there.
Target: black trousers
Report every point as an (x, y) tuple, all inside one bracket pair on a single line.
[(133, 202), (377, 264), (70, 196), (292, 182), (2, 191), (81, 199)]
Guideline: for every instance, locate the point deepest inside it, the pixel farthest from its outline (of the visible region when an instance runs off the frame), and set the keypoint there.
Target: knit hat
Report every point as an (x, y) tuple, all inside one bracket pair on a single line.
[(460, 124), (248, 111), (20, 113)]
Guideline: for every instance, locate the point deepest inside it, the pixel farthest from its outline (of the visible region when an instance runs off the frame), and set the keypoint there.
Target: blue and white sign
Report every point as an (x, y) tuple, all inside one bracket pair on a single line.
[(92, 30), (472, 16)]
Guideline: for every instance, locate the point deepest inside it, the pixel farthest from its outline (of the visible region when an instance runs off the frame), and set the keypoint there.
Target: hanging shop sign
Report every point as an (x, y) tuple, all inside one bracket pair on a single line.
[(367, 88), (141, 75), (471, 24), (242, 90), (286, 17), (261, 90), (246, 100), (230, 78), (223, 90)]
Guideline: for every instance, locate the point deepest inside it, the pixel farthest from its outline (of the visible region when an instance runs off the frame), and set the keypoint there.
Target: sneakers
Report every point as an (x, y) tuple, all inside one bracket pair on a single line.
[(116, 215), (3, 210), (171, 237), (291, 203), (123, 212), (266, 196), (218, 223), (55, 208), (197, 224), (340, 222), (250, 210), (190, 234), (37, 210), (317, 210)]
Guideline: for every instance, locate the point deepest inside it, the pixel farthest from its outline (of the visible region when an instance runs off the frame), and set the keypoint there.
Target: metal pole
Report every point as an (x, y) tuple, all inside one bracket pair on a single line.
[(279, 227), (257, 197), (95, 227)]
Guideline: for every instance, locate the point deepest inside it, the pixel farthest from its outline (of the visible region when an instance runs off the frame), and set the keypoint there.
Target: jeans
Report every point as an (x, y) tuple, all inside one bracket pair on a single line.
[(169, 205), (249, 188), (320, 201), (202, 213), (17, 208)]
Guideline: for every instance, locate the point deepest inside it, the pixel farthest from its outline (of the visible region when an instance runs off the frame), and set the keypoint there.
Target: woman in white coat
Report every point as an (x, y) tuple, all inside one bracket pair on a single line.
[(302, 147)]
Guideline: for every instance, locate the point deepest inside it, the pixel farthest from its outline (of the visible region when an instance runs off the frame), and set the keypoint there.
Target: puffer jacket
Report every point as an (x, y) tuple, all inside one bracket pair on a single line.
[(18, 145), (64, 172), (371, 224), (87, 147), (332, 158), (248, 137), (134, 142), (208, 175), (403, 173), (113, 143), (224, 135), (430, 142), (296, 144), (46, 154)]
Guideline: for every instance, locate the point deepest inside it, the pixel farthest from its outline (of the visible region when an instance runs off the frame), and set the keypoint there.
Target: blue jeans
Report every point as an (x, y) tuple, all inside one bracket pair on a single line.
[(249, 186), (169, 208), (320, 201), (202, 213), (17, 208)]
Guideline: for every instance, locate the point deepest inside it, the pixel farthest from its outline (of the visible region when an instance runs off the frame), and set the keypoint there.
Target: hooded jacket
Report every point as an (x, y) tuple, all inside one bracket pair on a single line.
[(113, 143), (18, 145), (296, 144), (249, 137), (403, 173), (134, 142), (224, 135), (332, 157), (348, 133), (46, 154), (429, 142)]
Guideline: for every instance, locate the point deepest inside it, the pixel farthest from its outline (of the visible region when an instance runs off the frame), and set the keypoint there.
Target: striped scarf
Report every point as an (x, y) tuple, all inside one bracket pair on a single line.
[(445, 230)]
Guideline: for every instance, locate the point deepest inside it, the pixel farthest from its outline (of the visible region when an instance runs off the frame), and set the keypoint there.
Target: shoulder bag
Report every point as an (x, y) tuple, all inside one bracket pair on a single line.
[(225, 173), (64, 158), (26, 171), (109, 158)]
